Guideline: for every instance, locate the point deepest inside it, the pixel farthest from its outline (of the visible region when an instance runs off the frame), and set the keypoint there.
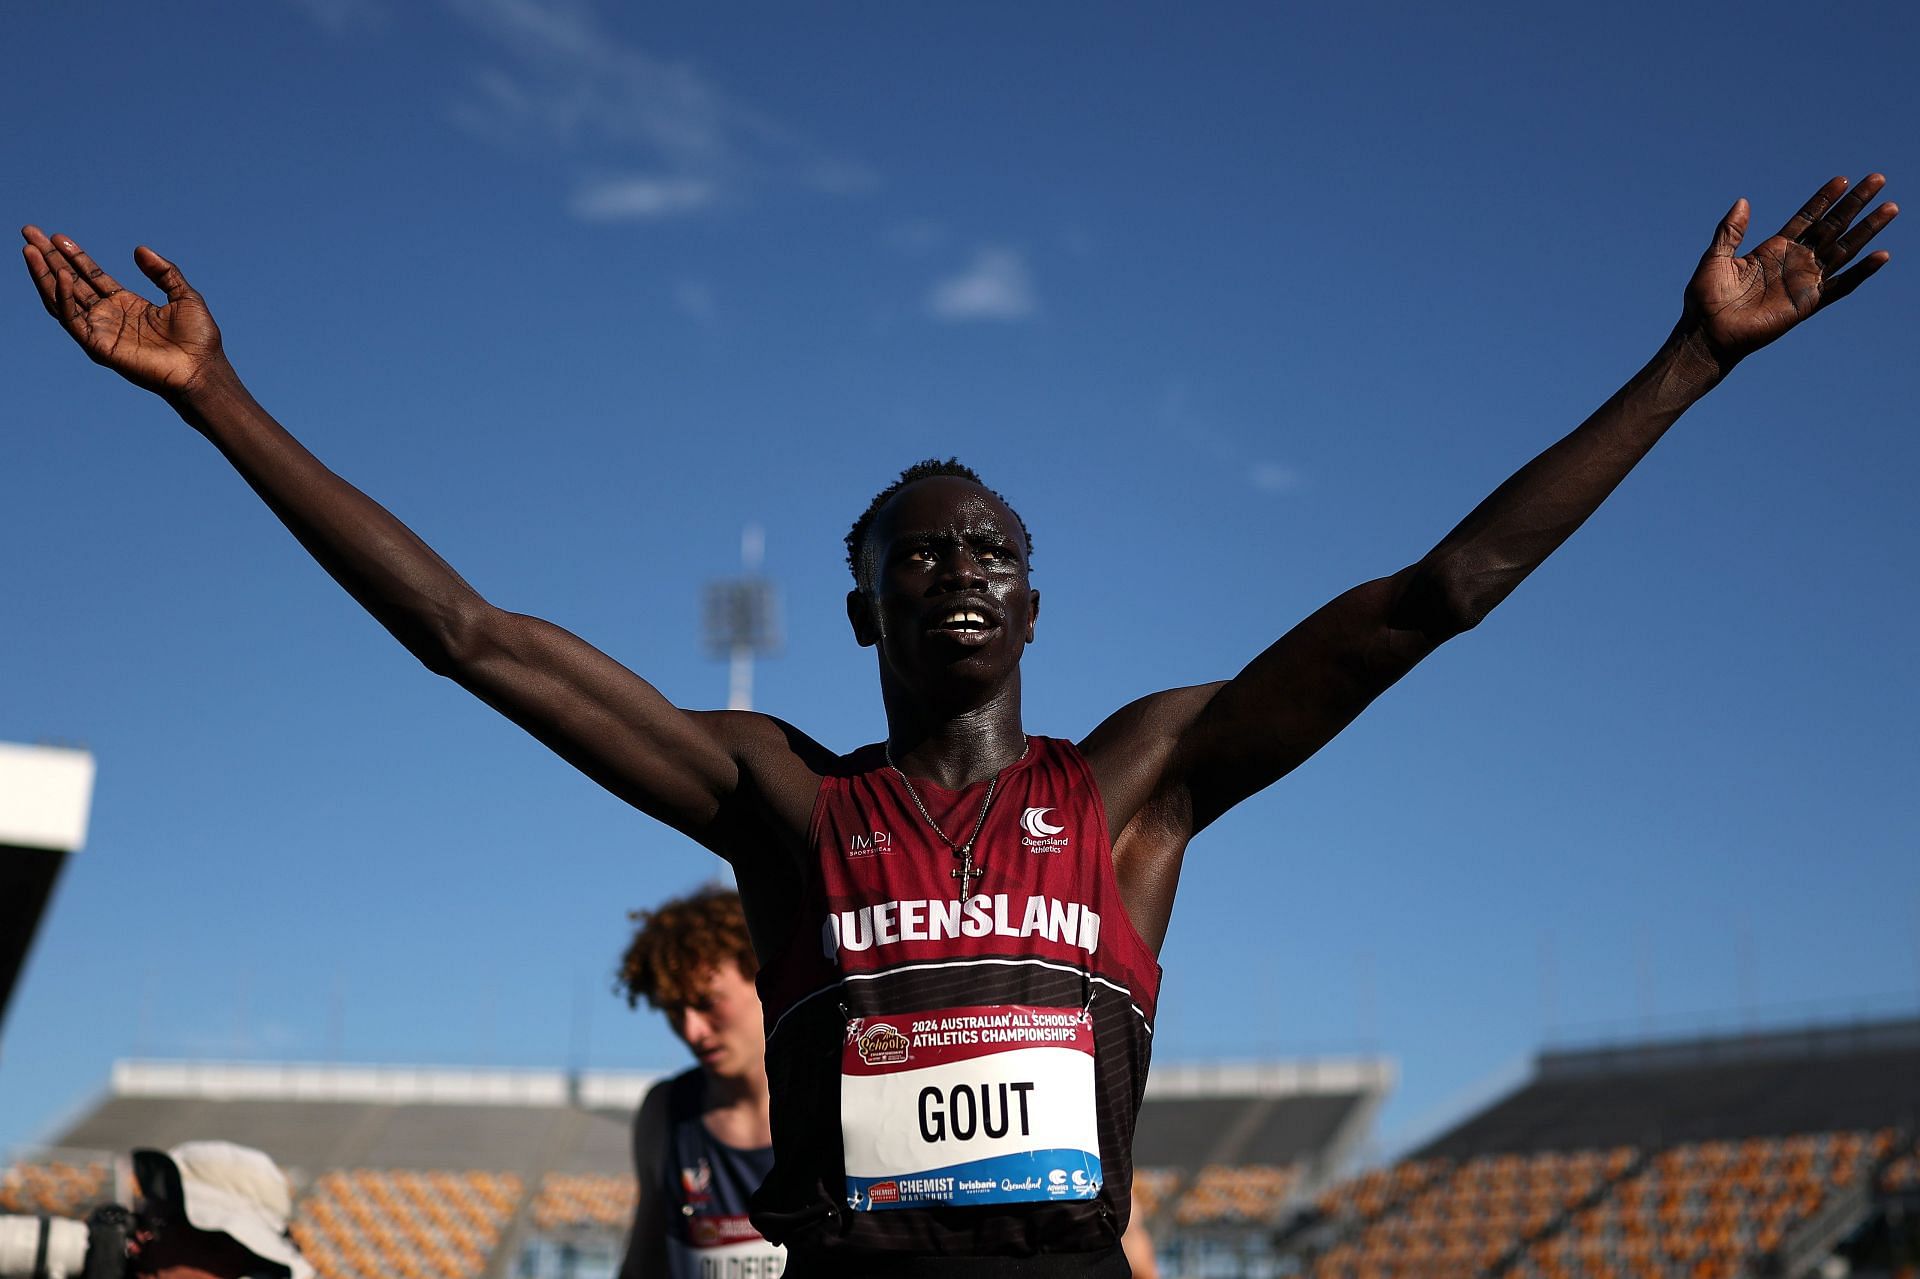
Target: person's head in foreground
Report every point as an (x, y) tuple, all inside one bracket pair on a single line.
[(691, 959), (941, 590), (213, 1210)]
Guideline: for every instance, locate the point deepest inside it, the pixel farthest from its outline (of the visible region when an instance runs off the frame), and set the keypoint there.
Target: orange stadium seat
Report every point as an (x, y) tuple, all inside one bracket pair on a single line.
[(1467, 1220), (370, 1224), (1707, 1210), (57, 1188), (572, 1201)]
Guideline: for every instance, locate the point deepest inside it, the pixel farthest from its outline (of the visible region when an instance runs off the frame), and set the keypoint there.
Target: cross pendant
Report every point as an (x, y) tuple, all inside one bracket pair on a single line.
[(965, 871)]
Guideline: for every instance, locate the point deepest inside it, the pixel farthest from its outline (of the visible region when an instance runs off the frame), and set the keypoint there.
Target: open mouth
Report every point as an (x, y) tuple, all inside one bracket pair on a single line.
[(965, 624)]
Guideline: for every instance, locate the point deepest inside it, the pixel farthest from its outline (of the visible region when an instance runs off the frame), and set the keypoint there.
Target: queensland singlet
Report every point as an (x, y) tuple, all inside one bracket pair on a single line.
[(705, 1184), (956, 1062)]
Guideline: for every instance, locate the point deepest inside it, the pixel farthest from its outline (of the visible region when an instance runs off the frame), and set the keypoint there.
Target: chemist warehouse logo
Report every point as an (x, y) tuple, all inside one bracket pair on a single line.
[(1042, 835)]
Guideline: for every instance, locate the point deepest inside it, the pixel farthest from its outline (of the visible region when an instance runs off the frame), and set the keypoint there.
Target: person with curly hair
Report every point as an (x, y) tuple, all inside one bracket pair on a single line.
[(959, 923), (702, 1141)]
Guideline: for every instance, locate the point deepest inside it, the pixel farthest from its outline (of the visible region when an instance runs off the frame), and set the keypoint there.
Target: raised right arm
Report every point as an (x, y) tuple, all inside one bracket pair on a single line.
[(604, 719)]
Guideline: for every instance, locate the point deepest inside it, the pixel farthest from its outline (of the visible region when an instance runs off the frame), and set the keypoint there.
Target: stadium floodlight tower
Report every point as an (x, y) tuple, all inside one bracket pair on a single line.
[(743, 620), (46, 793)]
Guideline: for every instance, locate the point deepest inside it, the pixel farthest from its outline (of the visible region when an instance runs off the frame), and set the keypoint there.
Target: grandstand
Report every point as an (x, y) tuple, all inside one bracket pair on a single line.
[(1787, 1153), (1224, 1153), (407, 1173), (1782, 1154)]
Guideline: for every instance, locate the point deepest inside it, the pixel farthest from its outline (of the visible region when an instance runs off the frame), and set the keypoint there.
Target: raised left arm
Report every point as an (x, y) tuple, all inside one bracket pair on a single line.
[(1243, 735)]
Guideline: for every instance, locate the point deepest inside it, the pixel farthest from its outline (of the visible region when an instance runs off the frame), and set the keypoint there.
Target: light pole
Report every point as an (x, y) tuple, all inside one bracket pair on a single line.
[(743, 619)]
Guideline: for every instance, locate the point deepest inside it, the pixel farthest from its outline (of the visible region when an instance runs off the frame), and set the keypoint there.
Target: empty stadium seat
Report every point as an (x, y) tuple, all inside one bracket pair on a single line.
[(57, 1188), (371, 1224)]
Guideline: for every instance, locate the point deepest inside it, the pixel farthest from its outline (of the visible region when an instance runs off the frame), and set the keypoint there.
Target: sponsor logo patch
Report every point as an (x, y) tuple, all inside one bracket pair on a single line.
[(878, 841), (696, 1180), (882, 1045), (1041, 834)]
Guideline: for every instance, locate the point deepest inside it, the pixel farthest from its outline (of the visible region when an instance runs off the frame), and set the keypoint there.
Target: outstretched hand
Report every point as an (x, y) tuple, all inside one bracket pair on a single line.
[(1739, 304), (165, 349)]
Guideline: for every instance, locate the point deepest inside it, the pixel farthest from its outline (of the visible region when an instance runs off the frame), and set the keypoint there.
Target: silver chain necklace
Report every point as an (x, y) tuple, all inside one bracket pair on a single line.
[(966, 871)]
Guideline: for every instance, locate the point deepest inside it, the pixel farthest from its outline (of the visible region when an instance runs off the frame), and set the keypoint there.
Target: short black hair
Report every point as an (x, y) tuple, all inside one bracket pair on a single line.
[(929, 469)]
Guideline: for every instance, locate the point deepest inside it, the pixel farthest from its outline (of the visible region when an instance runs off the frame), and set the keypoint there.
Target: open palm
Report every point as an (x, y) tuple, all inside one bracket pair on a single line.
[(163, 348), (1739, 304)]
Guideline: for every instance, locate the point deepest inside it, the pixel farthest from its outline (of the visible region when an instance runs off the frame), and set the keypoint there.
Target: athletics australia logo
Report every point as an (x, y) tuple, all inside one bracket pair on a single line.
[(867, 845), (1042, 836)]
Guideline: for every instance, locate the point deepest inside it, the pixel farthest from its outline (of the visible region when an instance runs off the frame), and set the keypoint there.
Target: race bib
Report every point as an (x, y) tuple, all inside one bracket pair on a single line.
[(724, 1248), (981, 1105)]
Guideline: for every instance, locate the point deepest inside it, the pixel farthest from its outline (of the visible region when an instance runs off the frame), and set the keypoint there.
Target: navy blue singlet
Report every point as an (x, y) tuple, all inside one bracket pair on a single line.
[(706, 1184)]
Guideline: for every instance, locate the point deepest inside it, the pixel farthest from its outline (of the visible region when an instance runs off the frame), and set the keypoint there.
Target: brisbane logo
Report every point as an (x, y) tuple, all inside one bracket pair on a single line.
[(1042, 836)]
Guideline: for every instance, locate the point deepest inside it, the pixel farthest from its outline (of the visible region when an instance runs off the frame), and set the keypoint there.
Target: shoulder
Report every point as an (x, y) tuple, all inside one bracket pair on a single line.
[(780, 766), (1157, 717), (757, 739), (662, 1105), (1135, 749)]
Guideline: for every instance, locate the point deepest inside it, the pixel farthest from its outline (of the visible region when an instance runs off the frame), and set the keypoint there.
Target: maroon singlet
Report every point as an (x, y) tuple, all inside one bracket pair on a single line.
[(882, 931)]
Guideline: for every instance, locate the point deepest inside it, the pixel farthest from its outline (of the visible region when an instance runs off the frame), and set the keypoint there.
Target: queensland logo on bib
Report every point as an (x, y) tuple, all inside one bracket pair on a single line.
[(1041, 833), (882, 1045)]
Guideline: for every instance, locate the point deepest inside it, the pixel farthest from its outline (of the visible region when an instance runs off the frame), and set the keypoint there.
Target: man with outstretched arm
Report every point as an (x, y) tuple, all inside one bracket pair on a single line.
[(957, 926)]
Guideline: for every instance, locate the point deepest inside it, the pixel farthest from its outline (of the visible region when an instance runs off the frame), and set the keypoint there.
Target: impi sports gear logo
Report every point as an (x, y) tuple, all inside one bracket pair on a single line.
[(867, 845), (1041, 835)]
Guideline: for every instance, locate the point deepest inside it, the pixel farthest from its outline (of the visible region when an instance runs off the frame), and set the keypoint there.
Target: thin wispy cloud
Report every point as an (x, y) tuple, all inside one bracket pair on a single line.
[(995, 286), (1273, 477), (1178, 418), (637, 136), (1078, 242), (340, 16), (659, 138), (622, 199), (833, 176), (694, 299), (915, 238)]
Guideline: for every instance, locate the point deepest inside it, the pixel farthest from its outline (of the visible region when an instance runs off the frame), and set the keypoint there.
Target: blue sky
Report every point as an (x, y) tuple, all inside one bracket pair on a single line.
[(1240, 305)]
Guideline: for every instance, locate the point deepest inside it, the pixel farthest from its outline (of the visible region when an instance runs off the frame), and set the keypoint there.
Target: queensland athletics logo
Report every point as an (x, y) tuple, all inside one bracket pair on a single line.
[(881, 1045), (1042, 835)]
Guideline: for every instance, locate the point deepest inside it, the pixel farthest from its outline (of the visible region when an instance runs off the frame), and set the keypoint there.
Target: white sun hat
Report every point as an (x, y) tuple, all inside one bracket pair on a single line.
[(232, 1190)]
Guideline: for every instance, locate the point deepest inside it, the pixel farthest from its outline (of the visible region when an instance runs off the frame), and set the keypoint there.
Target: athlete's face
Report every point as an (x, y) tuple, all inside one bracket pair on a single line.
[(722, 1027), (949, 590)]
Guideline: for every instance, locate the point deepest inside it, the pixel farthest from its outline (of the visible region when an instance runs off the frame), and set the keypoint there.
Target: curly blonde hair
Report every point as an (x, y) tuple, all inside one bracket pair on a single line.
[(677, 946)]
